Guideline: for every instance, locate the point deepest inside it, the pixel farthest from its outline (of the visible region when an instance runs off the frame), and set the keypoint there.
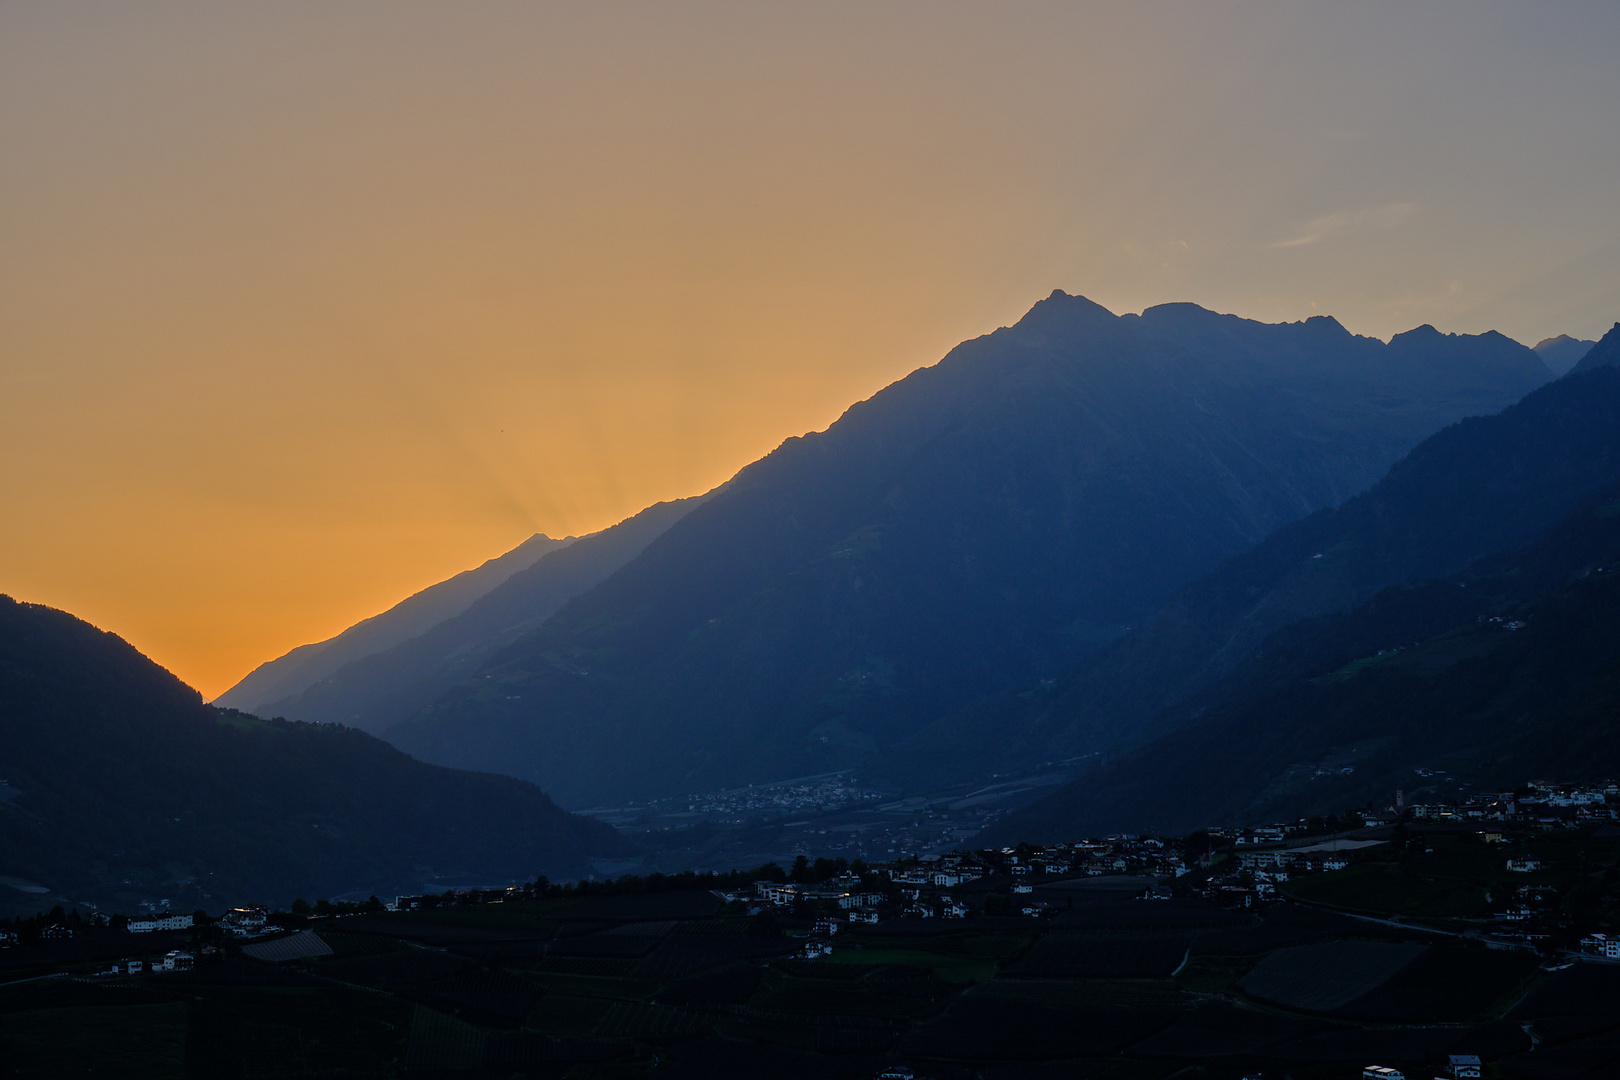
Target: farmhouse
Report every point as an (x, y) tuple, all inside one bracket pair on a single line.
[(248, 921), (1604, 945)]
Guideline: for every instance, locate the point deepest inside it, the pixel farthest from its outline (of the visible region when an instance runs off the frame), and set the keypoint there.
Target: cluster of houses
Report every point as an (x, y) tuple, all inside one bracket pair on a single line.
[(1544, 805), (1266, 868), (932, 886), (1538, 805), (1458, 1067), (238, 922), (147, 924), (173, 960)]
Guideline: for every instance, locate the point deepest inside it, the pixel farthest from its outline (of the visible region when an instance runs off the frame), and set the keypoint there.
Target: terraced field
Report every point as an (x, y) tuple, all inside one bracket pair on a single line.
[(1322, 977)]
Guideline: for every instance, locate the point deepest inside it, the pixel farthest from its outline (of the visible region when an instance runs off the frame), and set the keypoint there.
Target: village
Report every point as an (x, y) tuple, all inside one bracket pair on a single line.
[(1230, 866), (1256, 916)]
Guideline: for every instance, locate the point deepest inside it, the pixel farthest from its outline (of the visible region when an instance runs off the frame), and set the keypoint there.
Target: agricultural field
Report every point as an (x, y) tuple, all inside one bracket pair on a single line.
[(676, 985), (1320, 978)]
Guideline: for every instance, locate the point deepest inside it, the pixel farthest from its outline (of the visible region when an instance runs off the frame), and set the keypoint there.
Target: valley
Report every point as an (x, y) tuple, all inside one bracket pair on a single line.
[(826, 815)]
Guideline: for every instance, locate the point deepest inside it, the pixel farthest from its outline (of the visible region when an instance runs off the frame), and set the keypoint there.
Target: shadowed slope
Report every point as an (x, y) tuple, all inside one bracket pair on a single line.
[(1485, 485), (973, 526), (377, 691), (122, 781)]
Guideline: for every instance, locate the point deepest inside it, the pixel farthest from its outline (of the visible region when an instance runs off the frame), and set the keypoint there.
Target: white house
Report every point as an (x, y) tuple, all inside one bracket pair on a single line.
[(1604, 945), (244, 921), (164, 921), (1465, 1065), (773, 893)]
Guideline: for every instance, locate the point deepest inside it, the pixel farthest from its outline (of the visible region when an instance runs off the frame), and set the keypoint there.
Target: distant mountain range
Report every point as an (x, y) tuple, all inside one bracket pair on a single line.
[(287, 676), (1484, 485), (1506, 668), (122, 786), (970, 529), (382, 683), (1562, 353)]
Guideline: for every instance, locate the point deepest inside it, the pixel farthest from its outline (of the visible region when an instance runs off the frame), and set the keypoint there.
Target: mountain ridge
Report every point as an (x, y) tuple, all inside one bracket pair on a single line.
[(376, 691), (1497, 511), (1341, 556), (920, 552), (296, 670)]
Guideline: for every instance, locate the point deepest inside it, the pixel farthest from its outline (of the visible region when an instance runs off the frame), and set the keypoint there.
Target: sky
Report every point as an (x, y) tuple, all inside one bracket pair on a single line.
[(306, 306)]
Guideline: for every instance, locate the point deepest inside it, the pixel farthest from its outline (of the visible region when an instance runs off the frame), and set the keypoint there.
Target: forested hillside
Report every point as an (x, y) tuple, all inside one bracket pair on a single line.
[(122, 786)]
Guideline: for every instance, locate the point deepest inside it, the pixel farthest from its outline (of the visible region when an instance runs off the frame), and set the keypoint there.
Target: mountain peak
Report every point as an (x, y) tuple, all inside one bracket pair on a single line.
[(1551, 343), (1426, 332), (1185, 309), (1327, 323), (1606, 353), (1061, 313)]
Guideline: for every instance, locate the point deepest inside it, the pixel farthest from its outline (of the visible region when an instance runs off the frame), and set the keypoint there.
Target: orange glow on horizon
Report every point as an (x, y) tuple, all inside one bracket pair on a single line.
[(304, 308)]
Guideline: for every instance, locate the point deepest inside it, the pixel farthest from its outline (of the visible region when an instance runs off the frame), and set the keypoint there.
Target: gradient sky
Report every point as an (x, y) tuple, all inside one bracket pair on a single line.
[(304, 306)]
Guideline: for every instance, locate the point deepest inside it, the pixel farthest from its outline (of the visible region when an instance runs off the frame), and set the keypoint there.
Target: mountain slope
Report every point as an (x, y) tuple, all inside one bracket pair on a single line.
[(123, 785), (1606, 353), (376, 691), (1506, 672), (289, 675), (1486, 484), (970, 527), (1562, 353)]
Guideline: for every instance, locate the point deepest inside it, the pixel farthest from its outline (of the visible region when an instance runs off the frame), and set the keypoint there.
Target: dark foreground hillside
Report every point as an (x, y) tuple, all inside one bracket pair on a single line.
[(681, 985), (121, 785)]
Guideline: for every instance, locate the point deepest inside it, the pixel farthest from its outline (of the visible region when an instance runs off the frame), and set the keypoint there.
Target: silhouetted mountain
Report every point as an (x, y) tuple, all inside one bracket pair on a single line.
[(376, 691), (971, 527), (121, 784), (1562, 353), (1606, 353), (1507, 672), (290, 675), (1487, 484)]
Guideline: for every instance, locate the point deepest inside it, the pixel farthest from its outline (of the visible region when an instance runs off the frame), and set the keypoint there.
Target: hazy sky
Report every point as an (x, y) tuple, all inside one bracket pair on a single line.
[(306, 306)]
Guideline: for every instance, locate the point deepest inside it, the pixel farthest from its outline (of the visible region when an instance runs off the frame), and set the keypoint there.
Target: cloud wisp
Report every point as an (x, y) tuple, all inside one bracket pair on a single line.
[(1348, 221)]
